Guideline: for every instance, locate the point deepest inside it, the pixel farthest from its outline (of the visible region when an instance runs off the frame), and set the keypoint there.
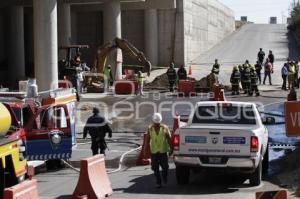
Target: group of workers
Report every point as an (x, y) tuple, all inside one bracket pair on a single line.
[(290, 74), (174, 76), (249, 76)]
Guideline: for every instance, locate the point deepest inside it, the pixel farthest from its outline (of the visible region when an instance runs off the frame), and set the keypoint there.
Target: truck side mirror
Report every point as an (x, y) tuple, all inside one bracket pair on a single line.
[(269, 120)]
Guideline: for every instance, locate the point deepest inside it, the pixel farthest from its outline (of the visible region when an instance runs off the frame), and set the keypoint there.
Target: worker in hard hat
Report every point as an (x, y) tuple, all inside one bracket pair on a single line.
[(97, 127), (159, 139), (254, 82), (235, 80), (246, 79), (140, 79)]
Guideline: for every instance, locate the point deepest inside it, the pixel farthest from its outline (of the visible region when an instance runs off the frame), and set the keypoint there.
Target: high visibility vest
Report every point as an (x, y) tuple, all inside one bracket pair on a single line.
[(158, 142), (291, 69), (107, 73), (141, 79)]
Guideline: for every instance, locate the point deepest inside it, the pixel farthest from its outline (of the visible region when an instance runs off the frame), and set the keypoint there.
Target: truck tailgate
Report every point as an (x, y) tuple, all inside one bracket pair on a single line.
[(215, 142)]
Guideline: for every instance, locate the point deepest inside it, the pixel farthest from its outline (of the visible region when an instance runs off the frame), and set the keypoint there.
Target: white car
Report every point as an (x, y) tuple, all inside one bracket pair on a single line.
[(226, 136)]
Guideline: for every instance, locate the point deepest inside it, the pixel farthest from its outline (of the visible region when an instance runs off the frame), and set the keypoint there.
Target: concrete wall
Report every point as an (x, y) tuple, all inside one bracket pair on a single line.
[(206, 23)]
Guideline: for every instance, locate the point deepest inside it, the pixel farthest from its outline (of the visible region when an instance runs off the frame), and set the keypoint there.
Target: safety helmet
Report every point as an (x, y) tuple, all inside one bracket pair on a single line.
[(235, 67), (172, 65), (156, 118)]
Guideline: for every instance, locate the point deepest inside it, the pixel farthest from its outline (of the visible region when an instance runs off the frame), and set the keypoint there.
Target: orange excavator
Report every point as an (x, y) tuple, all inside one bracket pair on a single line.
[(94, 82)]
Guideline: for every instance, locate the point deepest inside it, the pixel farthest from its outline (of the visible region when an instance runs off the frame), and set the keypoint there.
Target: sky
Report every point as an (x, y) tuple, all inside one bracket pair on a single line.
[(259, 11)]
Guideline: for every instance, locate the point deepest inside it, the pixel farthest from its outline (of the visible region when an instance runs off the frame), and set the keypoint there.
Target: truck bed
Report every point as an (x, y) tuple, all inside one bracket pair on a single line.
[(4, 141)]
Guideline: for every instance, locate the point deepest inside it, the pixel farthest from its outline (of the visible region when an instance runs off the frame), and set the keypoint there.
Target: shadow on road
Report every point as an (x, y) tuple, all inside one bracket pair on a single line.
[(201, 183)]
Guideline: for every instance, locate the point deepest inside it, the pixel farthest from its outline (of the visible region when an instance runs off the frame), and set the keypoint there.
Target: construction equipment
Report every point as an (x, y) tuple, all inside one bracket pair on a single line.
[(66, 70), (12, 162), (46, 124), (127, 48), (97, 81)]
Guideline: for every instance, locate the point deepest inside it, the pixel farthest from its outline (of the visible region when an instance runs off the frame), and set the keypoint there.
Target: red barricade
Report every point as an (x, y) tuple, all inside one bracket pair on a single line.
[(24, 190), (126, 87), (93, 180), (187, 87), (281, 194), (176, 123), (144, 158)]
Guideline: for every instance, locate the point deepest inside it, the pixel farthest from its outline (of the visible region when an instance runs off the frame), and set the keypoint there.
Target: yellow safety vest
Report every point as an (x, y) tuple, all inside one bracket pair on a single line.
[(158, 142), (107, 73)]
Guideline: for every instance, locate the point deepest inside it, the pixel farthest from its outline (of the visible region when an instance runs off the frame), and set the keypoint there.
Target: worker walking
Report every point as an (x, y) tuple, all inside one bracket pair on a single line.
[(159, 140), (268, 71), (141, 79), (172, 77), (181, 73), (235, 80), (97, 127), (254, 81), (216, 67), (261, 56)]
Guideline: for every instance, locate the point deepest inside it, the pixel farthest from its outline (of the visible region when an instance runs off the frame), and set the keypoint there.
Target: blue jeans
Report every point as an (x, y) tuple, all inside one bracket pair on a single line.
[(268, 74)]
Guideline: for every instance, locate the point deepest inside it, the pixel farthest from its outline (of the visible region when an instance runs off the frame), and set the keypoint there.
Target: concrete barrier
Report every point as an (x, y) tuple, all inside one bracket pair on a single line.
[(24, 190)]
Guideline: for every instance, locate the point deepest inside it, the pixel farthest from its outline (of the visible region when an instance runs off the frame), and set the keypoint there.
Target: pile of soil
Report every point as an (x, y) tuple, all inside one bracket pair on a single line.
[(162, 82)]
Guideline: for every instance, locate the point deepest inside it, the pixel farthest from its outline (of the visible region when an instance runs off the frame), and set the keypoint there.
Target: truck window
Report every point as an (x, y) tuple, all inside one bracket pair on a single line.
[(55, 117), (224, 114)]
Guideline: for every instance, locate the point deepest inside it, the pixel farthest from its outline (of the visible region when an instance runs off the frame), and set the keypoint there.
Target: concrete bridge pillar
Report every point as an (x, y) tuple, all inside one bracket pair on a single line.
[(64, 27), (45, 44), (16, 55), (151, 35), (112, 29)]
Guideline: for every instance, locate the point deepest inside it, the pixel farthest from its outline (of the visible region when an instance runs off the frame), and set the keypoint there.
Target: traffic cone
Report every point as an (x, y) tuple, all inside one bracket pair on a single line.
[(190, 70), (176, 123)]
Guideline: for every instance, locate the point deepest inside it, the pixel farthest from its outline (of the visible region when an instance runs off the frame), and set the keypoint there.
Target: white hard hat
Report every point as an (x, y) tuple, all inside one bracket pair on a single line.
[(156, 118)]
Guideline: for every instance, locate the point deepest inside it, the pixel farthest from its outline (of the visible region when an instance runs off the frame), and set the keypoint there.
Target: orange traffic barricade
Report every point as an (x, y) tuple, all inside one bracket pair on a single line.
[(24, 190), (144, 157), (187, 87), (93, 180)]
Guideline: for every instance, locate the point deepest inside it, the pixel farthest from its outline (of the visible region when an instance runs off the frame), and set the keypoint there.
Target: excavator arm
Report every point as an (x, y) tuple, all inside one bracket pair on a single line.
[(127, 48)]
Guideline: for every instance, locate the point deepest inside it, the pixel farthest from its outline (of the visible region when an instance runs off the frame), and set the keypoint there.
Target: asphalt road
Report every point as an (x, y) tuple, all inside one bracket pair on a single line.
[(133, 114)]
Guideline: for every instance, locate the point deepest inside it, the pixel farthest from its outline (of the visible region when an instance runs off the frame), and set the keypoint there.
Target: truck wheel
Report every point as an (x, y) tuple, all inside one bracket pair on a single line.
[(265, 163), (255, 178), (182, 175)]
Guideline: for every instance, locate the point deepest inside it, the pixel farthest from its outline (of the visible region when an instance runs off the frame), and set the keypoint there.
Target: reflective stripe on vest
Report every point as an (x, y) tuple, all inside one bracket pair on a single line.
[(158, 143)]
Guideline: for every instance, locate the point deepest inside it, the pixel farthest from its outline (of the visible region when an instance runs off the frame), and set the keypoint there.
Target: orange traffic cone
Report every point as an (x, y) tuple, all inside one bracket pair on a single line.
[(190, 70), (176, 123)]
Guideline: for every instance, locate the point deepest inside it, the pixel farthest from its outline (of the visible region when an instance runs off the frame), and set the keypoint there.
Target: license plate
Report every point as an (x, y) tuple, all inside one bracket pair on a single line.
[(214, 160)]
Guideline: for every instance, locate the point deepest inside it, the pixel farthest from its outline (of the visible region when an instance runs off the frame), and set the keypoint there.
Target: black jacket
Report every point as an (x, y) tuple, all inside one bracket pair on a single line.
[(182, 74), (97, 127)]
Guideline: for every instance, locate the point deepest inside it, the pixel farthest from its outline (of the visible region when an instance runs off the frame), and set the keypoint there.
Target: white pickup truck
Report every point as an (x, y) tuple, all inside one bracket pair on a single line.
[(226, 136)]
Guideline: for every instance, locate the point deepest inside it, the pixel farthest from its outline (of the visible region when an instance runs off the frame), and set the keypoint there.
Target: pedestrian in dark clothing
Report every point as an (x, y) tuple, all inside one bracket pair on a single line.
[(271, 57), (158, 139), (258, 68), (235, 81), (97, 127), (261, 56), (181, 73), (284, 74), (216, 67), (172, 77), (268, 71), (254, 81)]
